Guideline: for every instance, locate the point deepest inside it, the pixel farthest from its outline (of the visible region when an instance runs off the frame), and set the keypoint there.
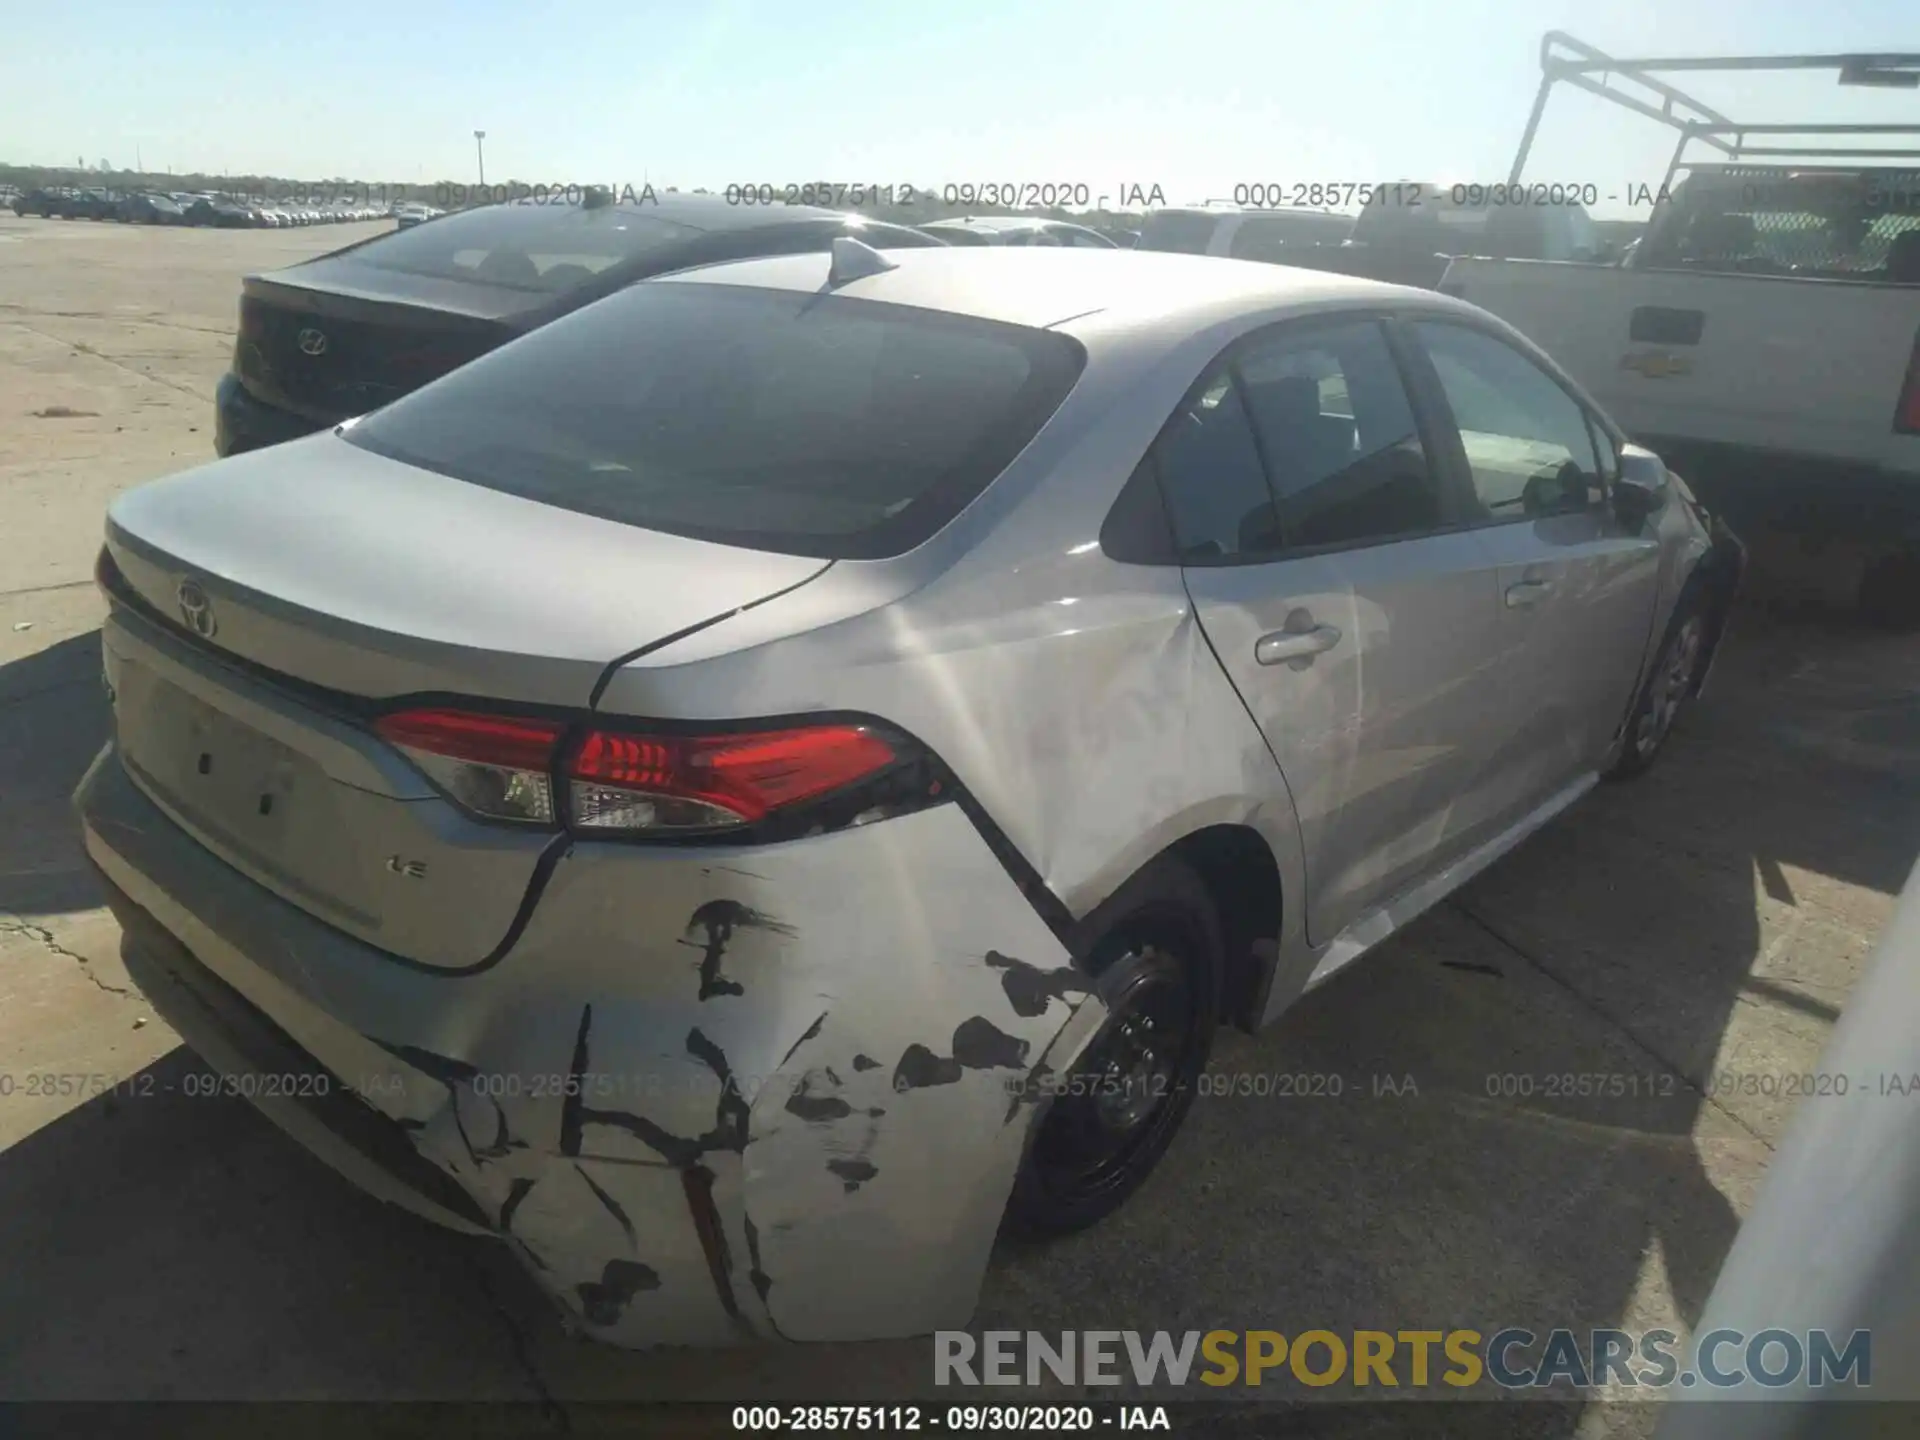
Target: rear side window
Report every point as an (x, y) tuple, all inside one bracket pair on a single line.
[(1339, 437), (541, 248), (777, 420), (1210, 472)]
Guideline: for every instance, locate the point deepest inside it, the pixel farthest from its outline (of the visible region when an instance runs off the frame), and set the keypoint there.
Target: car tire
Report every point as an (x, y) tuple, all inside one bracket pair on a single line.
[(1157, 959), (1671, 683)]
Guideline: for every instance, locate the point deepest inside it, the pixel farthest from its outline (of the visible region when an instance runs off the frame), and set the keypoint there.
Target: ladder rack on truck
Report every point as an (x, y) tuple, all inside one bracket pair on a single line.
[(1763, 334)]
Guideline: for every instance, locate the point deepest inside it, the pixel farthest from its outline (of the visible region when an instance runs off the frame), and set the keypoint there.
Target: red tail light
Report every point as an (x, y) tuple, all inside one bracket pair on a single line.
[(655, 782), (503, 768), (495, 765), (1906, 415)]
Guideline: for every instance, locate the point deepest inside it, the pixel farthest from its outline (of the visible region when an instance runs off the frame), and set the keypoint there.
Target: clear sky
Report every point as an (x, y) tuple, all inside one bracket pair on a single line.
[(1194, 95)]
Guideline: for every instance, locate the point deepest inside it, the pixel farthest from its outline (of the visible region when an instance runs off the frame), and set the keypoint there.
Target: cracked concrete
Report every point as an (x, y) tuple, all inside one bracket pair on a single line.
[(14, 925), (1673, 935)]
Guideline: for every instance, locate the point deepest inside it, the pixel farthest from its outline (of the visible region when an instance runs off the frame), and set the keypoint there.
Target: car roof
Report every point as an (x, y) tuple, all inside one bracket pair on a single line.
[(1044, 286)]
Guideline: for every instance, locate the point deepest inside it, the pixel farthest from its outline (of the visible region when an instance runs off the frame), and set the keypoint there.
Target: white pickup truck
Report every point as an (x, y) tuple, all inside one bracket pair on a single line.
[(1763, 336)]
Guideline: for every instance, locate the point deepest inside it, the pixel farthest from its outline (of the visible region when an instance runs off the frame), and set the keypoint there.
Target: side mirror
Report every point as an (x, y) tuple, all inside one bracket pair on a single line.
[(1642, 486)]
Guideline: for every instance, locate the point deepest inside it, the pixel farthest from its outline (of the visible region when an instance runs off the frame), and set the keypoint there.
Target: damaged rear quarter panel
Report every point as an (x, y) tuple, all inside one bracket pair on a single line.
[(833, 1029)]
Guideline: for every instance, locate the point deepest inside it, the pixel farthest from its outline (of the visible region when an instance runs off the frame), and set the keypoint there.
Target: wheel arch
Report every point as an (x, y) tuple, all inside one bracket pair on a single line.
[(1236, 866)]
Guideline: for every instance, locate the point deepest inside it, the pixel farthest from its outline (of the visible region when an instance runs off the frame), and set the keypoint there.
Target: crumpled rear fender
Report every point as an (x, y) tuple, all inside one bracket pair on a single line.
[(710, 1095), (791, 1103)]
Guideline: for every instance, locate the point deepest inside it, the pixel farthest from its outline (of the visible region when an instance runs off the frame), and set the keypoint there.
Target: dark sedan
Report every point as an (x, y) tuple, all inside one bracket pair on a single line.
[(350, 331), (44, 201), (89, 205), (152, 209)]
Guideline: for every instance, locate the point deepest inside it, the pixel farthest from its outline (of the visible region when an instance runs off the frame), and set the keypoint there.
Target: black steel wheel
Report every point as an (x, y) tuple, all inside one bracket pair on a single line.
[(1107, 1123)]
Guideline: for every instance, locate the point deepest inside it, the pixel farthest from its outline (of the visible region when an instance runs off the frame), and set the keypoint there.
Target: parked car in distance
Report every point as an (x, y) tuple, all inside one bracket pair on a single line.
[(719, 682), (89, 204), (1220, 230), (352, 330), (1404, 233), (43, 201), (152, 208), (1015, 230)]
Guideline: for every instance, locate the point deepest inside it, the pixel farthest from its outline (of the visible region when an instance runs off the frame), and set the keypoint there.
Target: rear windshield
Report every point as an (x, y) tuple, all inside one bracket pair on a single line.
[(1174, 230), (542, 248), (1274, 237), (1837, 225), (777, 420)]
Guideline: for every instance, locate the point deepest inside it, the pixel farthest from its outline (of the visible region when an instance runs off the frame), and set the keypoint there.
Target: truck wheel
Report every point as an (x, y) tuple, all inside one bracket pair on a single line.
[(1157, 965), (1668, 688)]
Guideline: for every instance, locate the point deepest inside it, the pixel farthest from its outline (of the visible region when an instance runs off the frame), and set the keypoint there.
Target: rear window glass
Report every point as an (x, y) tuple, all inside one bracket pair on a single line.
[(777, 420), (1172, 230), (1843, 226), (547, 248), (1275, 237), (959, 235)]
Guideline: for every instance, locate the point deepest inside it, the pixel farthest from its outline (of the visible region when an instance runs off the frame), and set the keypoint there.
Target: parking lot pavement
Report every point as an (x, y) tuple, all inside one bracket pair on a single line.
[(1694, 934)]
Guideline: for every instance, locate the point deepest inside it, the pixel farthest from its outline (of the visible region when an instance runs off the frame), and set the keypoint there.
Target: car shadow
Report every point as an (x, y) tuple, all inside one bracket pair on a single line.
[(1414, 1146), (54, 718)]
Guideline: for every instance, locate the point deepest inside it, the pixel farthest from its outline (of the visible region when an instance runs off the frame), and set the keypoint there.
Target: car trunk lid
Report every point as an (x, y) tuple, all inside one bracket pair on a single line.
[(349, 340), (275, 603), (344, 569)]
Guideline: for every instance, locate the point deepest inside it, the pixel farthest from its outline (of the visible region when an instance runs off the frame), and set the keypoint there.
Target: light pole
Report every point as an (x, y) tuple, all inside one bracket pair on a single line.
[(480, 149)]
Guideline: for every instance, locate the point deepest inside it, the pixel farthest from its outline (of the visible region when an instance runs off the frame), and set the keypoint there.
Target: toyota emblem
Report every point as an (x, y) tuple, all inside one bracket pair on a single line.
[(196, 609), (312, 341)]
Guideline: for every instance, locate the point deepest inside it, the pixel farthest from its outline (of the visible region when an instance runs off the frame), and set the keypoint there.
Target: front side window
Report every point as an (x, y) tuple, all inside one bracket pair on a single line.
[(1527, 441), (1339, 437), (771, 419)]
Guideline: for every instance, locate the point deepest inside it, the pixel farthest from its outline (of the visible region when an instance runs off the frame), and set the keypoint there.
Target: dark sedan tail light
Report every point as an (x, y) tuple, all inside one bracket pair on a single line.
[(624, 782)]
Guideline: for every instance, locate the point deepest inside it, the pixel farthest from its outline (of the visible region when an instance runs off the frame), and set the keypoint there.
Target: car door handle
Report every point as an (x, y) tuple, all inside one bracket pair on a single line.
[(1523, 593), (1285, 645)]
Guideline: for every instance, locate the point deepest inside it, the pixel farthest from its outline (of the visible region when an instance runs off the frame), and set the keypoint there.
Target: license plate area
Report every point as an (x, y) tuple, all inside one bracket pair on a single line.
[(244, 787)]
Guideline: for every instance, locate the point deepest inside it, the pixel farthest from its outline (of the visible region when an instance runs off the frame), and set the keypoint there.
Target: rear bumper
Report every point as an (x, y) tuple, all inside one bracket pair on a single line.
[(243, 423), (695, 1123)]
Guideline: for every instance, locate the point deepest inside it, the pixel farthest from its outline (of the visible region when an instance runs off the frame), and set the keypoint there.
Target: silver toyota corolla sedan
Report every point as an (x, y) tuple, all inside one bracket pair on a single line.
[(745, 790)]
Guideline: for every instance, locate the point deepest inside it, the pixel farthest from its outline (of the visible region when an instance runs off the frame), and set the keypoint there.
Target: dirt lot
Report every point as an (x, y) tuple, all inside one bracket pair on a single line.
[(1705, 925)]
